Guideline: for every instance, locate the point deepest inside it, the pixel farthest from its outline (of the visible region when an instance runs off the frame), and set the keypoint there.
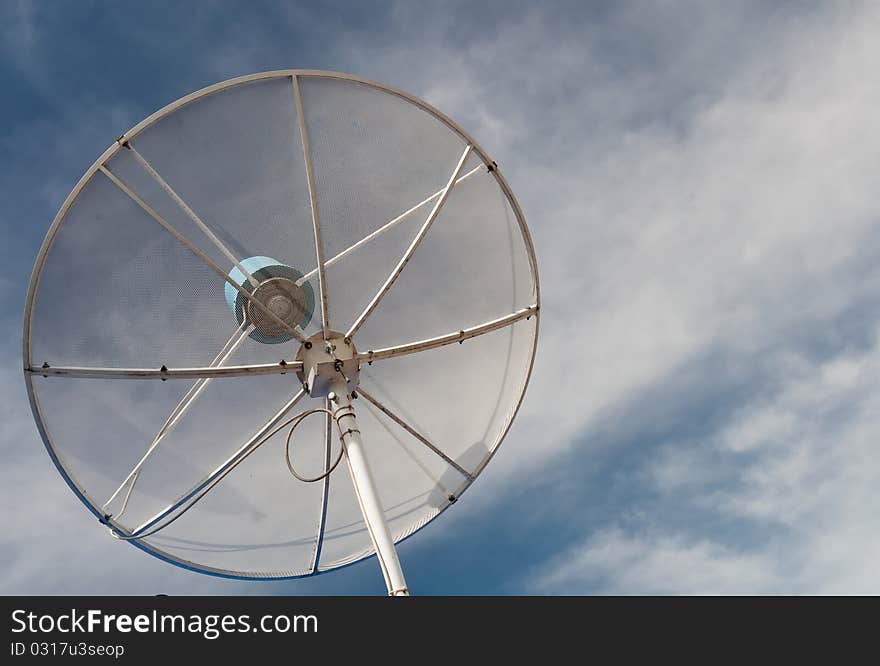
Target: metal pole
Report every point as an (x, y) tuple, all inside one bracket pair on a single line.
[(365, 489)]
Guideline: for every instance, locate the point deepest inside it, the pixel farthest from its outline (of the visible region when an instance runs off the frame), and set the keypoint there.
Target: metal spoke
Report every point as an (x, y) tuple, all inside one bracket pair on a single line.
[(385, 227), (163, 373), (412, 247), (325, 487), (406, 450), (415, 433), (245, 450), (449, 338), (177, 413), (313, 199), (189, 212), (295, 331)]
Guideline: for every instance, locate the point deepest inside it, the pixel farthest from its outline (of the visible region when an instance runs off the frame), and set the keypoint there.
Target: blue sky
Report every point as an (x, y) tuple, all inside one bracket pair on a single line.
[(700, 182)]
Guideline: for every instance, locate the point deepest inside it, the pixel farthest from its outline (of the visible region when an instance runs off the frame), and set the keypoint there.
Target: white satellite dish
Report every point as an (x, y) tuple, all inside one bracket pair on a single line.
[(283, 243)]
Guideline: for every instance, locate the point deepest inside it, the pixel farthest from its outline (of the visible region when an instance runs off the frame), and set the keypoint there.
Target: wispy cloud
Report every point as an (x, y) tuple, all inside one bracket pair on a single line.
[(793, 471), (612, 562)]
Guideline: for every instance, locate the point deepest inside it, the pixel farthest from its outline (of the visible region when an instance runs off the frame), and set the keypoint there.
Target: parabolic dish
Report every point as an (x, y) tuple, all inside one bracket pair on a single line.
[(183, 268)]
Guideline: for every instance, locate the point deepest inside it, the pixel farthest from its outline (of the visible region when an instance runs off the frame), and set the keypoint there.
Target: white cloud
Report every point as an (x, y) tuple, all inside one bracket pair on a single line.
[(612, 562), (797, 466)]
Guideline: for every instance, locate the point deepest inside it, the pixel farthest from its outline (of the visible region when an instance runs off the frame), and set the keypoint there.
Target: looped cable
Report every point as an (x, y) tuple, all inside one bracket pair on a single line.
[(298, 419)]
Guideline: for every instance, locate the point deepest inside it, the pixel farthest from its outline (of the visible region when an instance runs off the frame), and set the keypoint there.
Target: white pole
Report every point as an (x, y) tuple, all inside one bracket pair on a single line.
[(365, 489)]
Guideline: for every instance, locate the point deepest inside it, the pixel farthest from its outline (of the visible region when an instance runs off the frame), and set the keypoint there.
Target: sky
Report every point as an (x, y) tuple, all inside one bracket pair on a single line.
[(700, 182)]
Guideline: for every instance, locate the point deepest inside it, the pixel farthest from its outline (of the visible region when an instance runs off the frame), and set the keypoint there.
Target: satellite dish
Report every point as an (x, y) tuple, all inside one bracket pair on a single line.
[(264, 278)]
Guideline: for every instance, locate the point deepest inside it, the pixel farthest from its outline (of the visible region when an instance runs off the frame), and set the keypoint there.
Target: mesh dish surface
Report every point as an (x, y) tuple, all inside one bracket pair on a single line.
[(113, 289)]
